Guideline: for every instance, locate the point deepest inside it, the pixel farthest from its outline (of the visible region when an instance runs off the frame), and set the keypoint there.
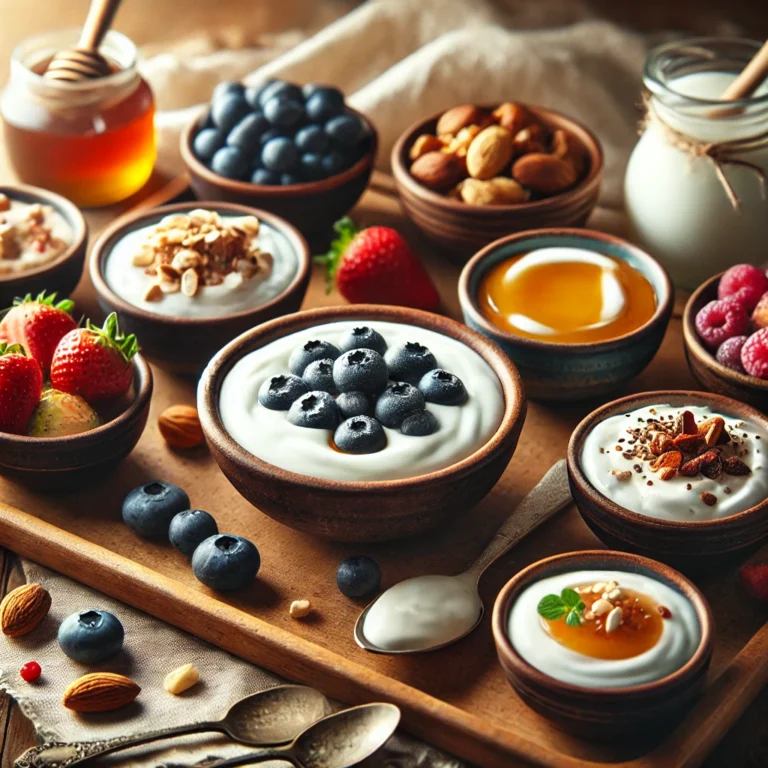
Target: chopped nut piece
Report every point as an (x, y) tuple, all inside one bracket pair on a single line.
[(709, 498), (712, 429), (185, 259), (189, 282), (143, 258), (664, 611), (5, 203), (167, 273), (614, 594), (733, 465), (613, 621), (622, 475), (598, 588), (601, 606), (300, 608), (170, 286), (181, 679), (154, 293)]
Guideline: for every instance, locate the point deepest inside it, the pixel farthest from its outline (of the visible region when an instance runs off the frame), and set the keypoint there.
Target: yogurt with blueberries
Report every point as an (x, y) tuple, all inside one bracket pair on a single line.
[(351, 402)]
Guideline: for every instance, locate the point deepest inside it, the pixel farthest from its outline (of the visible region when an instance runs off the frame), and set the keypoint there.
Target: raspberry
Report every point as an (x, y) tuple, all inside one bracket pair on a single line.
[(729, 353), (760, 315), (30, 672), (754, 354), (720, 320), (745, 282)]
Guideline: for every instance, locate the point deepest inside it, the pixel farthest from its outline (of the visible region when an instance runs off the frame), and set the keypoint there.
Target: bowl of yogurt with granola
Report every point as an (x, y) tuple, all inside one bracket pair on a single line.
[(195, 275), (680, 475)]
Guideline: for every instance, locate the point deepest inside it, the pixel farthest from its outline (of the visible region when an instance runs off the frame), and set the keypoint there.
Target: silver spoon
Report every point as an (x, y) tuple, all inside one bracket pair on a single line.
[(273, 716), (336, 741), (427, 626)]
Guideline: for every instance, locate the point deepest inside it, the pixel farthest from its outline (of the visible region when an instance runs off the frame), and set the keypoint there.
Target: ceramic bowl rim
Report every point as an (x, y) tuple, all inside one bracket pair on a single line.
[(221, 364), (538, 570), (115, 231), (637, 400), (71, 214), (468, 301)]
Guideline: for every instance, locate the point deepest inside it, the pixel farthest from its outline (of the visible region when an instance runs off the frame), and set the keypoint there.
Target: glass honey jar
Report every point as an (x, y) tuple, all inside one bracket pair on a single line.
[(91, 141)]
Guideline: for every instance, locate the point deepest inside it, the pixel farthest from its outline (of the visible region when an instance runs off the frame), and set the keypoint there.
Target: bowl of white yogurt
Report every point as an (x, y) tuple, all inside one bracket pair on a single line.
[(604, 643), (681, 476), (260, 271), (409, 483)]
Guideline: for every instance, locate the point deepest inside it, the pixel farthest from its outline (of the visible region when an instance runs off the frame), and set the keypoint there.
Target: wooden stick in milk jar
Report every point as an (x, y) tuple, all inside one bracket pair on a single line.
[(750, 78)]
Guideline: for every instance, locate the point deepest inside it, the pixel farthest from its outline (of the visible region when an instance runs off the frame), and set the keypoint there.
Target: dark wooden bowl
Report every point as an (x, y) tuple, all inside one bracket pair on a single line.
[(604, 713), (184, 344), (312, 207), (456, 225), (554, 371), (60, 275), (690, 545), (712, 375), (54, 463), (362, 511)]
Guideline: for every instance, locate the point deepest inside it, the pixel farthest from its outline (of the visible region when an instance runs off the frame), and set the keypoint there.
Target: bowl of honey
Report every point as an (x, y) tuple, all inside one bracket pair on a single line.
[(579, 312)]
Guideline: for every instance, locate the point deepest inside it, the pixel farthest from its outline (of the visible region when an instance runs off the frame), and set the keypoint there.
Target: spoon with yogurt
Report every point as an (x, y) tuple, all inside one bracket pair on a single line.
[(425, 613)]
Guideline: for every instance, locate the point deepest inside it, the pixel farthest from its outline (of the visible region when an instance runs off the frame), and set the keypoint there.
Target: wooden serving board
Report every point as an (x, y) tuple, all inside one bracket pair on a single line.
[(456, 698)]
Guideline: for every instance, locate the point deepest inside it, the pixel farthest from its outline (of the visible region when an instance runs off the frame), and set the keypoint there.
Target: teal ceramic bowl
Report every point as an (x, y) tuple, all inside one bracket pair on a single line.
[(553, 371)]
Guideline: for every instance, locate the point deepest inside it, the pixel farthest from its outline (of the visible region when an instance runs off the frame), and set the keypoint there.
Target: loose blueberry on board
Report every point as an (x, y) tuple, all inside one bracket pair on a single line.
[(358, 576), (281, 89), (246, 134), (354, 404), (365, 337), (396, 402), (323, 104), (265, 177), (345, 131), (311, 166), (207, 142), (361, 370), (150, 508), (283, 112), (228, 110), (315, 410), (310, 351), (318, 375), (334, 162), (409, 362), (226, 563), (419, 424), (90, 637), (191, 528), (313, 139), (360, 434), (279, 154), (278, 392), (441, 387), (230, 162)]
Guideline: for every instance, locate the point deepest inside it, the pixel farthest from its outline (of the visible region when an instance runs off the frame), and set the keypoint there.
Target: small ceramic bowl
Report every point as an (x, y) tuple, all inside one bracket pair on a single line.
[(60, 275), (687, 544), (604, 713), (459, 226), (312, 207), (362, 511), (186, 344), (52, 463), (712, 375), (554, 371)]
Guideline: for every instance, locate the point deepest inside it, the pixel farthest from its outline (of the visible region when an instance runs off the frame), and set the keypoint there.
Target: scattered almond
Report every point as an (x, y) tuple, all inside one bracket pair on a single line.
[(22, 610), (438, 170), (300, 608), (180, 426), (181, 679), (490, 152), (544, 173), (100, 692)]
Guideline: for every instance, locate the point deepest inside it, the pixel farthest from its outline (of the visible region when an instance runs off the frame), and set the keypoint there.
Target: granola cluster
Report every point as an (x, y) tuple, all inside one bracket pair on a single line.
[(29, 233), (185, 252)]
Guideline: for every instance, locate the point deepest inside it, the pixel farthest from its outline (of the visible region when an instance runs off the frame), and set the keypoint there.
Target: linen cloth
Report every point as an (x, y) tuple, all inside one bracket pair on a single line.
[(399, 60)]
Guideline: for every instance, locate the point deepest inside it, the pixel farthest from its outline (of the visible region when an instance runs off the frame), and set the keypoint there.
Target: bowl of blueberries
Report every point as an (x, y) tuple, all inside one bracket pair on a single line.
[(298, 152)]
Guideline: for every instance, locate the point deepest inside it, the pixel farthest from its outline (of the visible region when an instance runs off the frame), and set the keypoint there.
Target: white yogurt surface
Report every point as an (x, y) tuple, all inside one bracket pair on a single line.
[(19, 255), (670, 499), (679, 639), (233, 295), (267, 434)]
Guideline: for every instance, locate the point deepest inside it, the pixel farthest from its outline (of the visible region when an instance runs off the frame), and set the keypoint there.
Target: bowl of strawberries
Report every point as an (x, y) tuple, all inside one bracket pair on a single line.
[(74, 398), (725, 331)]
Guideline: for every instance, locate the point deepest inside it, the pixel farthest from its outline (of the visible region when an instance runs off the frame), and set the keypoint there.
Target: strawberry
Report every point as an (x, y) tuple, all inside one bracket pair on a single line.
[(94, 363), (755, 580), (376, 266), (38, 325), (21, 385)]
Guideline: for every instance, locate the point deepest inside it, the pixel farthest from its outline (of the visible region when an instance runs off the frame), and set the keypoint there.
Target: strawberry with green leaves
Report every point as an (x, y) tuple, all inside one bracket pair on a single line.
[(21, 385), (95, 363), (38, 324), (376, 266)]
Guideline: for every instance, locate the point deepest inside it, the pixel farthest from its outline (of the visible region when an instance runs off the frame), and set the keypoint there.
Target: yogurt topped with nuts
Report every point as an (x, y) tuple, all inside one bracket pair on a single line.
[(682, 464), (201, 264)]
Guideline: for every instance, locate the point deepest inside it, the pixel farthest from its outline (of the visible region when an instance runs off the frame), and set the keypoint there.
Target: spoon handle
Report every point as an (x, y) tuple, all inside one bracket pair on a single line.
[(259, 756), (99, 20), (549, 495)]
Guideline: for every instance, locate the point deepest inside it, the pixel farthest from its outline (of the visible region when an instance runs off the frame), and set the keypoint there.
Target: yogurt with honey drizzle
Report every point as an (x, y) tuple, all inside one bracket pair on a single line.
[(603, 629), (566, 295)]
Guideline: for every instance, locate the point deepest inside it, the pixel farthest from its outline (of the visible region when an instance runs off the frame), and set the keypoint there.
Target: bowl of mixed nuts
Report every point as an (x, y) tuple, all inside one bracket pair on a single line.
[(475, 173)]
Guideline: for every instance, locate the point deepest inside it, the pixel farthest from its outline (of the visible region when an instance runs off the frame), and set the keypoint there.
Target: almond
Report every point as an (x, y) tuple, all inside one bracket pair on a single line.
[(23, 609), (496, 191), (668, 460), (567, 147), (180, 426), (438, 170), (712, 429), (461, 141), (661, 443), (688, 443), (530, 139), (425, 143), (542, 173), (452, 121), (513, 117), (490, 151), (695, 466), (686, 424), (100, 692)]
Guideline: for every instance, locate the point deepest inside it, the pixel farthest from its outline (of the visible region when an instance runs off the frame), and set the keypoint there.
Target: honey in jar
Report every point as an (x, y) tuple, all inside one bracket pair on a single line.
[(566, 296), (91, 141)]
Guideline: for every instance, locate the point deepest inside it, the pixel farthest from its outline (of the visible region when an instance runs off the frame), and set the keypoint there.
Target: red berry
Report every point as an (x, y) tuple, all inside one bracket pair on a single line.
[(754, 354), (21, 385), (755, 580), (30, 672), (721, 320), (744, 281), (729, 353)]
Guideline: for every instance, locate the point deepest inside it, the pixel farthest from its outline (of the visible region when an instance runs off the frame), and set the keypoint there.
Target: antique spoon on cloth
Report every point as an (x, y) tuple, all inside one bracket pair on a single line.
[(273, 716), (336, 741), (429, 612)]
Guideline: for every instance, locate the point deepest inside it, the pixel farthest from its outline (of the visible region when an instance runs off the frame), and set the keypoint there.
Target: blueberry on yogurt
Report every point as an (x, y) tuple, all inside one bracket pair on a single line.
[(396, 402), (150, 508), (409, 362), (365, 337), (310, 351), (226, 562), (190, 528), (354, 404), (319, 376), (441, 387), (419, 424), (361, 370), (90, 637), (360, 434), (278, 392), (315, 410)]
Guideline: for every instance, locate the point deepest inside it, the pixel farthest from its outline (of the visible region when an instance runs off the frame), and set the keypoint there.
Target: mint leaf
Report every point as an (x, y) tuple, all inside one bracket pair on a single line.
[(573, 619), (570, 597), (552, 607)]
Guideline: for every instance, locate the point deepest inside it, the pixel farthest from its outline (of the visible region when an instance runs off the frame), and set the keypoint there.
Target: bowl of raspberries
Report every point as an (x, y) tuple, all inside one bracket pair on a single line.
[(725, 327)]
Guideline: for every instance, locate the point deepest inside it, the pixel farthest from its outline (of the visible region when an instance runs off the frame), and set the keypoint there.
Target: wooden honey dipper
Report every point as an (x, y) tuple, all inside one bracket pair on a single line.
[(85, 62)]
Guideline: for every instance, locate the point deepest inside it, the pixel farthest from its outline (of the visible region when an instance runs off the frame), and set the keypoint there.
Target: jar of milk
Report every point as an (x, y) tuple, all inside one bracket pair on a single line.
[(696, 182)]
